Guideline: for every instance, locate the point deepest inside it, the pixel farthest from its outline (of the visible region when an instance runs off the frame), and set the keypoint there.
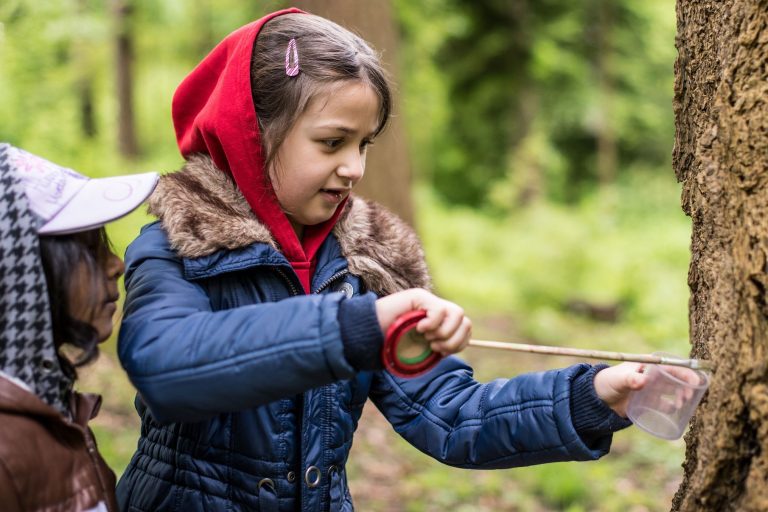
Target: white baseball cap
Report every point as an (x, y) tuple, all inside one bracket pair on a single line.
[(67, 202)]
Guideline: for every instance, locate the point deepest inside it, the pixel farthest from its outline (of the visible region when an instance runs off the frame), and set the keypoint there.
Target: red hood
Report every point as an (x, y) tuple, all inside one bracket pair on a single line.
[(213, 113)]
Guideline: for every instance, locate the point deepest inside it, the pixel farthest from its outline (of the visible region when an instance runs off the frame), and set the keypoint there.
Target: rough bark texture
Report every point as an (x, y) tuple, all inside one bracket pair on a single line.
[(721, 157), (388, 171)]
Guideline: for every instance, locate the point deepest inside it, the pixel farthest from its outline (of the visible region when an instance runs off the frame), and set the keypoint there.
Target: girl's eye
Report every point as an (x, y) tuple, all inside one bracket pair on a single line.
[(332, 143)]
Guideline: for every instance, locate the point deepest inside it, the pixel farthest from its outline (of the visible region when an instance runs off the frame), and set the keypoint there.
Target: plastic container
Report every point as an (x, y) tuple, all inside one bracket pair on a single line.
[(665, 405)]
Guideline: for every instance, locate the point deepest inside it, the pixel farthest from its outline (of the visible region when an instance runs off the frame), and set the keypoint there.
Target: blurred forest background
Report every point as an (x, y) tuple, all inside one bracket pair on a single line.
[(538, 138)]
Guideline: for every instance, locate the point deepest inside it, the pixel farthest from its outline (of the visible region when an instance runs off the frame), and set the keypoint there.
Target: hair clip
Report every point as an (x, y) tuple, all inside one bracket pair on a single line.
[(291, 53)]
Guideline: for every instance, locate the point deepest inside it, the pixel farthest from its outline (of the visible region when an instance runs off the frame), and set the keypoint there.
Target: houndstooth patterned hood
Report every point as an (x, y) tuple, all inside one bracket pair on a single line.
[(27, 353)]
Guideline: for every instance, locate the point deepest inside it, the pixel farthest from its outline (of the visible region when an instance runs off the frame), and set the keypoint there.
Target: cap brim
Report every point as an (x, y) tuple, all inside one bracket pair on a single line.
[(99, 201)]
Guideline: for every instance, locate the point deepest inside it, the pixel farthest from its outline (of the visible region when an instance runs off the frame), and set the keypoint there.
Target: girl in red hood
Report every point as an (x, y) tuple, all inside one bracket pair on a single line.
[(256, 305)]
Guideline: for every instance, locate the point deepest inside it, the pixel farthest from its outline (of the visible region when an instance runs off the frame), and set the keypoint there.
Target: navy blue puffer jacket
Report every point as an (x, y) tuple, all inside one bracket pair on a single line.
[(246, 399)]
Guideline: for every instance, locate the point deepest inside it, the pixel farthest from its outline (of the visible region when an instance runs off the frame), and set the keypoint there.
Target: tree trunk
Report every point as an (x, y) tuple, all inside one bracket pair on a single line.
[(525, 159), (607, 151), (84, 81), (126, 129), (721, 157), (388, 171)]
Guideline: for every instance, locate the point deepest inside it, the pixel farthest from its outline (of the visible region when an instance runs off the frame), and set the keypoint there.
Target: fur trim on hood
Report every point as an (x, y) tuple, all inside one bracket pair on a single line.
[(202, 211)]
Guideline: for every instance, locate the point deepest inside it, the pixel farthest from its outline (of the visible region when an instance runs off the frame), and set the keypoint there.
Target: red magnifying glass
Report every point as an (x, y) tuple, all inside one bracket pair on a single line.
[(406, 351)]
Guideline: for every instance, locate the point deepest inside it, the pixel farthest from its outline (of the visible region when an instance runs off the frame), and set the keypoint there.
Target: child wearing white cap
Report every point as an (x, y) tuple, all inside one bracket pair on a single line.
[(58, 293)]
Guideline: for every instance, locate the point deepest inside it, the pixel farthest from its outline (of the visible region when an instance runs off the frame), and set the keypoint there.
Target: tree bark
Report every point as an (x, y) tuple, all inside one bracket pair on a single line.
[(126, 127), (721, 157), (388, 170)]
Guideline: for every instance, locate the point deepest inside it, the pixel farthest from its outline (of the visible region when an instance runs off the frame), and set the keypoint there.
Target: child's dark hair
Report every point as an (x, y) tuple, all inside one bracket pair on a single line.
[(61, 255), (328, 54)]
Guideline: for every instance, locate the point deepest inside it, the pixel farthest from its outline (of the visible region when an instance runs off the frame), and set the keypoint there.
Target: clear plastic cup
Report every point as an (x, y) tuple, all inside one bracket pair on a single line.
[(665, 405)]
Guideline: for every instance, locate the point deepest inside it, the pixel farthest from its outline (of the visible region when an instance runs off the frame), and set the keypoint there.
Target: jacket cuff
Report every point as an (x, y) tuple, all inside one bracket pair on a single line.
[(592, 418), (360, 332)]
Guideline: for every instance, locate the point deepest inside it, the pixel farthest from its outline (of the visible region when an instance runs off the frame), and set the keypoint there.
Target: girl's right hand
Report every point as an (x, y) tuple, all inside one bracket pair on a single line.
[(614, 385), (445, 325)]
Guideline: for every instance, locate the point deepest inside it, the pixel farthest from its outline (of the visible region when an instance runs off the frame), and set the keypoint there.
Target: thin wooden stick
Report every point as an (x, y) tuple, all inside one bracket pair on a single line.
[(694, 364)]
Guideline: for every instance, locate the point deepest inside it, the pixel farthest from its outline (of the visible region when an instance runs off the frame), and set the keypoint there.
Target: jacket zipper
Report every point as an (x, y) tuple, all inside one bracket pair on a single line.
[(94, 458), (294, 291), (327, 398), (92, 453), (288, 280), (300, 398), (331, 279)]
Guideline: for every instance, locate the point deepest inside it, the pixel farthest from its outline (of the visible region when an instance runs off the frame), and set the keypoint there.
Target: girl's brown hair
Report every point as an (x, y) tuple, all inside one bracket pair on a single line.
[(328, 55), (60, 256)]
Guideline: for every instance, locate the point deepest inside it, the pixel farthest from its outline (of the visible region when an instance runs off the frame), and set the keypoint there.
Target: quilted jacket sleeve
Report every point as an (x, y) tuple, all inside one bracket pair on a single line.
[(505, 423), (189, 363)]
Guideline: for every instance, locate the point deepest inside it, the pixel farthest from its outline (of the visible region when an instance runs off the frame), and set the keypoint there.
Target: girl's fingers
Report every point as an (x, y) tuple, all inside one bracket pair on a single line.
[(444, 325), (637, 380), (450, 323), (458, 341), (435, 317)]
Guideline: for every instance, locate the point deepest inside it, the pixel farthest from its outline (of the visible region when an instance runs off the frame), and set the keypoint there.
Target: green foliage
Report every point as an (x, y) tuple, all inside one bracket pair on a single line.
[(625, 246), (36, 53), (526, 92), (48, 46), (562, 484)]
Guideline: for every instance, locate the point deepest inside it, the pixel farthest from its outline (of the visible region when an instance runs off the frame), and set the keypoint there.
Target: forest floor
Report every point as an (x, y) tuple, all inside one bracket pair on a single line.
[(641, 474)]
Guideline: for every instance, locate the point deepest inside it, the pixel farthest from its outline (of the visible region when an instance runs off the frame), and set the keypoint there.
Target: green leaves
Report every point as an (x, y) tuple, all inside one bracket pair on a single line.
[(580, 78)]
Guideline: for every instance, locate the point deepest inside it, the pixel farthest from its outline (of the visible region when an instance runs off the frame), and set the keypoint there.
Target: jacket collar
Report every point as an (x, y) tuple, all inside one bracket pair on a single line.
[(203, 212), (16, 399)]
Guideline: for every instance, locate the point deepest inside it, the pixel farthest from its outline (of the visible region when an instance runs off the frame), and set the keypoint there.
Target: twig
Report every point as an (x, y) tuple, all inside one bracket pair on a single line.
[(694, 364)]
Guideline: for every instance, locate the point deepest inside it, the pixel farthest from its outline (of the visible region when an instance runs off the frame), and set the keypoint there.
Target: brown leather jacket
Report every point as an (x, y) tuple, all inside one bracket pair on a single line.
[(46, 462)]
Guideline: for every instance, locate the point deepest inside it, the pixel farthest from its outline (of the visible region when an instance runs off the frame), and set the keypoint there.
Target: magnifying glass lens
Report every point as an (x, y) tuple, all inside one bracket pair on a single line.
[(413, 348), (406, 352)]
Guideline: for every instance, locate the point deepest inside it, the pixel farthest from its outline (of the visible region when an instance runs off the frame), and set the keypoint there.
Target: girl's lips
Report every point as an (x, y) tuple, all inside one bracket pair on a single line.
[(334, 195), (111, 303)]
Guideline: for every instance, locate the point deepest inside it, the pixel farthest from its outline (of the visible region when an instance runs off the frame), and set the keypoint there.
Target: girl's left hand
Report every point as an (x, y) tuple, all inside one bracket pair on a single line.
[(614, 384)]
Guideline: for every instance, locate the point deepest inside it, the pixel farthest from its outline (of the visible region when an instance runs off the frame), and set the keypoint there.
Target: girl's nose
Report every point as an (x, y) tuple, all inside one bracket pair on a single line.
[(115, 266), (353, 167)]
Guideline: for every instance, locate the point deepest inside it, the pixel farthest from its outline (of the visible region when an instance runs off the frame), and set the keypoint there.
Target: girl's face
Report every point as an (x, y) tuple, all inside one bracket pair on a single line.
[(97, 311), (323, 154)]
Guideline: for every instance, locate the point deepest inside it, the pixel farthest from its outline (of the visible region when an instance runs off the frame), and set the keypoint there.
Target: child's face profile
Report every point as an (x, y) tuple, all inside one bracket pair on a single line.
[(323, 154), (97, 311)]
